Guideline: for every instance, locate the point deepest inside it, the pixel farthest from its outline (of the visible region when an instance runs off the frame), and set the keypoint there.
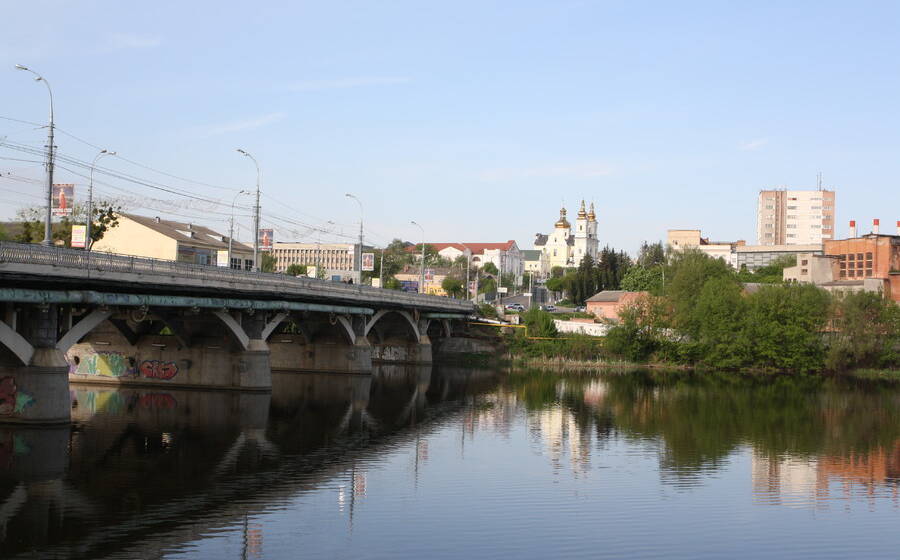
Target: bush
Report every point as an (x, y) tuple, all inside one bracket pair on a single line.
[(865, 333), (539, 323)]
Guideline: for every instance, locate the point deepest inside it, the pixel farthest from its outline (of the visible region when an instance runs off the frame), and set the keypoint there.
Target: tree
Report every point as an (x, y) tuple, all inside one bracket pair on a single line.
[(4, 235), (453, 286), (487, 286), (866, 332), (651, 254), (772, 273), (721, 340), (296, 270), (557, 272), (490, 268), (540, 323), (106, 217), (641, 278), (689, 271), (267, 261)]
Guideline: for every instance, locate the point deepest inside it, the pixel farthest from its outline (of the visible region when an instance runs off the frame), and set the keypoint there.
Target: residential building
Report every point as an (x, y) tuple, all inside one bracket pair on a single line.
[(680, 239), (795, 217), (567, 246), (608, 303), (812, 268), (536, 263), (153, 237), (336, 259), (506, 257), (450, 251), (752, 257)]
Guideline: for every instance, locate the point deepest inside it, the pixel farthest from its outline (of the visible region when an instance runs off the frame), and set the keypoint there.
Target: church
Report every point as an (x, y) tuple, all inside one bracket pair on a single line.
[(566, 246)]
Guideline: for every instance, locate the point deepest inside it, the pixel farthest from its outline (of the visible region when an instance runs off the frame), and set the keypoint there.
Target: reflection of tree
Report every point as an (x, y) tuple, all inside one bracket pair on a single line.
[(701, 419)]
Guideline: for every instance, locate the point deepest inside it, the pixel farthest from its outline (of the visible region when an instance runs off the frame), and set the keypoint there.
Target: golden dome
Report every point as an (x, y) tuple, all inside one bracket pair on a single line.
[(591, 216), (581, 213), (562, 222)]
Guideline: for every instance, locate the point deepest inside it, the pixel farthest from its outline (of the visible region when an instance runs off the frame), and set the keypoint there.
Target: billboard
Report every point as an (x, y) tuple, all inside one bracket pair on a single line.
[(266, 239), (222, 258), (79, 236), (368, 262), (429, 275), (63, 199), (409, 286)]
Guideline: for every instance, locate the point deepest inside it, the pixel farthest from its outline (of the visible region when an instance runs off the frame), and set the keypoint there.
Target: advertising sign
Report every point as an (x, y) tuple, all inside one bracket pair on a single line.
[(222, 258), (63, 199), (409, 286), (502, 290), (79, 236), (266, 239), (429, 275), (368, 262)]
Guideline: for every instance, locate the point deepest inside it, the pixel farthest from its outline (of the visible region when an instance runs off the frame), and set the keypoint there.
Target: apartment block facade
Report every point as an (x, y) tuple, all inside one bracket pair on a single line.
[(795, 217)]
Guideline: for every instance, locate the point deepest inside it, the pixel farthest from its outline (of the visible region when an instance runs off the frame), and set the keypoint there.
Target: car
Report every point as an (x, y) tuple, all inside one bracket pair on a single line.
[(580, 309), (515, 307), (550, 308)]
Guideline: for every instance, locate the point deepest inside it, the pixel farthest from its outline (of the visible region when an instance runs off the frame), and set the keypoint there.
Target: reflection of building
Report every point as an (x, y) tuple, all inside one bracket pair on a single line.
[(561, 436), (566, 246), (783, 480), (786, 217), (142, 236)]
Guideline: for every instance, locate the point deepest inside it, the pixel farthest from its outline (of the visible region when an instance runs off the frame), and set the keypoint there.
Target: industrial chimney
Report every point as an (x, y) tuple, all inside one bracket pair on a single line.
[(875, 226), (898, 227), (852, 228)]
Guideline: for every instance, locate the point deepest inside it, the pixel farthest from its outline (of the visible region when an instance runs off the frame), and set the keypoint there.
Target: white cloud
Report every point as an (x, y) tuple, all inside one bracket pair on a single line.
[(243, 124), (345, 83), (754, 144), (586, 170)]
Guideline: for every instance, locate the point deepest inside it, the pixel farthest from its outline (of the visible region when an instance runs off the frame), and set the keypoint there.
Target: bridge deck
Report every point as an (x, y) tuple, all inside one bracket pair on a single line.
[(34, 266)]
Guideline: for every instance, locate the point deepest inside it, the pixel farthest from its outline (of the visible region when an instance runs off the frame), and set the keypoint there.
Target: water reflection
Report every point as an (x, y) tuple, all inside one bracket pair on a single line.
[(150, 473)]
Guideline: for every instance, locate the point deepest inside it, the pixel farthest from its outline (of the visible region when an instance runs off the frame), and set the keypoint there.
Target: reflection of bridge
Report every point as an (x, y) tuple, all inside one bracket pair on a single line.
[(151, 470), (71, 315)]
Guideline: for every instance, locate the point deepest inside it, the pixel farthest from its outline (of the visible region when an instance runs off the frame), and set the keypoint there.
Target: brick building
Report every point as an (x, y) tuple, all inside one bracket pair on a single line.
[(871, 256)]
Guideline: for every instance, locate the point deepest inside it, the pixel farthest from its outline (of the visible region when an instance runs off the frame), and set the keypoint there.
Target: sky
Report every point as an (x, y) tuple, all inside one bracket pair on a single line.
[(478, 120)]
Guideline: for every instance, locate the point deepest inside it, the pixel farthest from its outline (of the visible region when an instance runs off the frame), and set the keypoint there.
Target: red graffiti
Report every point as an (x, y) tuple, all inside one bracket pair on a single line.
[(157, 400), (7, 396), (156, 369)]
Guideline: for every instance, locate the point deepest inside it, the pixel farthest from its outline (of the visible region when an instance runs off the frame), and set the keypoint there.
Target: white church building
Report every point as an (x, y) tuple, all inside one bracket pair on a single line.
[(566, 246)]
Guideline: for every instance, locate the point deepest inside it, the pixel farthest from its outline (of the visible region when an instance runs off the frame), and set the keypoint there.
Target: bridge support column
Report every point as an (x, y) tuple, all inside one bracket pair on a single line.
[(425, 353), (36, 390), (254, 369)]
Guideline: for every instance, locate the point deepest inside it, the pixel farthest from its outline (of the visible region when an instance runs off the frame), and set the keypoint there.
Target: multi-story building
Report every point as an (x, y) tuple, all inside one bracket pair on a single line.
[(680, 239), (506, 256), (871, 256), (536, 263), (795, 217), (336, 259), (566, 246), (143, 236), (752, 257)]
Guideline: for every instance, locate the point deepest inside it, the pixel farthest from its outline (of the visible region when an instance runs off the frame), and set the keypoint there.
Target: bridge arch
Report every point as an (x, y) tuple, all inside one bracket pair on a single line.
[(16, 343), (406, 318)]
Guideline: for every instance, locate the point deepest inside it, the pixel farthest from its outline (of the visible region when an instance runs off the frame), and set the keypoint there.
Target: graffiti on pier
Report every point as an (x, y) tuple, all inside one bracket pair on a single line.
[(13, 400), (106, 364), (157, 401), (157, 369)]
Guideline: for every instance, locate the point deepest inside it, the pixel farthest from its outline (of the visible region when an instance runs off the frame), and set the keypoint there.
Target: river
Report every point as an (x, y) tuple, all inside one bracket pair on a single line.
[(415, 462)]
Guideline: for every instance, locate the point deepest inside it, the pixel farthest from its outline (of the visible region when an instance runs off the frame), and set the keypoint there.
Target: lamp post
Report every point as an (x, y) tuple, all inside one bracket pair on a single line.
[(255, 214), (48, 236), (421, 264), (231, 226), (359, 262), (90, 205)]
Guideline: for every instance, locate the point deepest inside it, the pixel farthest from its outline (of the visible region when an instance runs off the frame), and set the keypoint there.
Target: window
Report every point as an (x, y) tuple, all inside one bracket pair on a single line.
[(792, 235), (851, 256), (859, 256), (815, 207), (843, 274), (769, 207), (768, 235), (804, 271), (791, 207), (868, 256), (792, 217), (804, 262), (869, 272), (791, 226), (843, 265)]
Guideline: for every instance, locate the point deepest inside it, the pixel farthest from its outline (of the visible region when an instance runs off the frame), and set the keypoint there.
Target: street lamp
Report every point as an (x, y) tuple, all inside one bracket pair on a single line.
[(255, 214), (48, 237), (231, 227), (90, 205), (348, 195), (422, 264)]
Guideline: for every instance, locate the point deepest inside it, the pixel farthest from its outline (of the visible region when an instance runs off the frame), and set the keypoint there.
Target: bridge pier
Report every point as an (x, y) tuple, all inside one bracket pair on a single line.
[(34, 385)]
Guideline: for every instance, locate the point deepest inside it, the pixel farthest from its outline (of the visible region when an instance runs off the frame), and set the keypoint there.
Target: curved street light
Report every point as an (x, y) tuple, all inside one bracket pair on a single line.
[(90, 205), (421, 264), (359, 261), (231, 226), (48, 236), (255, 213)]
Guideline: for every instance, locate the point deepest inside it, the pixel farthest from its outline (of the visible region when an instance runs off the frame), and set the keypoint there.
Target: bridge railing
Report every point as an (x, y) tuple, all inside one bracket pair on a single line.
[(28, 253)]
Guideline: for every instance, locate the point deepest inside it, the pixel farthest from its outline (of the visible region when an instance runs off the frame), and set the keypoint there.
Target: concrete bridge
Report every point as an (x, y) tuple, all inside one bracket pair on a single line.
[(96, 317)]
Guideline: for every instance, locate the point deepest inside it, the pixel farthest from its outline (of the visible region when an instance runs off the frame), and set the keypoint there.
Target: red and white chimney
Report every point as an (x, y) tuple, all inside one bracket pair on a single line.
[(852, 228), (876, 223), (898, 227)]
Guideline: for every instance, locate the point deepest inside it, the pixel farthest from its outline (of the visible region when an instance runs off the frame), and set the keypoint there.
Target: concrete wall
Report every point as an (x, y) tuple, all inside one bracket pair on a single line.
[(131, 238), (290, 352), (576, 327)]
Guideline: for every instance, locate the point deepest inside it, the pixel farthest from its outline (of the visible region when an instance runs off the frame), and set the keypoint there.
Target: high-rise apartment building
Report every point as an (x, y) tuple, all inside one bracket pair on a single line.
[(786, 217)]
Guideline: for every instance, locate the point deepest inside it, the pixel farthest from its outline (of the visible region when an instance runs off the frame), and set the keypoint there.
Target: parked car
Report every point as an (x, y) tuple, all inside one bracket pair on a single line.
[(515, 307), (580, 309), (551, 308)]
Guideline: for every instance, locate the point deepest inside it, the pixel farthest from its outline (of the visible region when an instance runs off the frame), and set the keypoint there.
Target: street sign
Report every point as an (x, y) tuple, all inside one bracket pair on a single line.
[(368, 262), (79, 236), (502, 290), (527, 294)]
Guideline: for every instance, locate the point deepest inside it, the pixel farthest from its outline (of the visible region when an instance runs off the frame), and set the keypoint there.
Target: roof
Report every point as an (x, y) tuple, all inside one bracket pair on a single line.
[(531, 255), (608, 295), (480, 248), (187, 233), (441, 246), (540, 239)]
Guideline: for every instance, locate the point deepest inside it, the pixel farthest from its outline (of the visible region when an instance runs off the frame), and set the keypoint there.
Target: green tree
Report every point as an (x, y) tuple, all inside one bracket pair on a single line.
[(689, 271), (640, 278), (487, 286), (453, 286), (557, 272), (539, 323), (721, 339), (490, 268), (106, 217), (296, 270), (651, 254), (865, 332), (267, 261), (773, 273)]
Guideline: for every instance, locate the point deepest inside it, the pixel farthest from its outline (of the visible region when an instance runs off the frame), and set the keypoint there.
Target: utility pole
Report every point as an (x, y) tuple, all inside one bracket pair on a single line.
[(255, 214), (51, 149), (381, 270), (468, 266), (231, 227), (358, 258), (90, 205), (421, 264)]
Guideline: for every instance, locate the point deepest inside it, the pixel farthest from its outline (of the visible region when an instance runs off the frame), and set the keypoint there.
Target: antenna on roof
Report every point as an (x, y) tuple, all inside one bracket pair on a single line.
[(819, 180)]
